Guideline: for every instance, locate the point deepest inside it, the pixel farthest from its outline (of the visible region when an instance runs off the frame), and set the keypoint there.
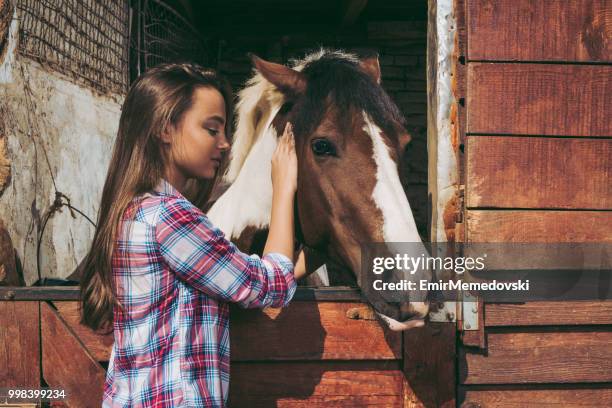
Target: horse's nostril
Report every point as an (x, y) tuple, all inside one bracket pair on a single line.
[(411, 310)]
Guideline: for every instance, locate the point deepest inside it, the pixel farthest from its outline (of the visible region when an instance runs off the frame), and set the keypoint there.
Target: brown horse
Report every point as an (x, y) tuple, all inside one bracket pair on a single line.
[(349, 137)]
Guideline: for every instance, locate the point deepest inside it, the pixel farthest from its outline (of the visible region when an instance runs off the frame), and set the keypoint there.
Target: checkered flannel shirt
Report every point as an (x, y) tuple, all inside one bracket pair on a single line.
[(175, 274)]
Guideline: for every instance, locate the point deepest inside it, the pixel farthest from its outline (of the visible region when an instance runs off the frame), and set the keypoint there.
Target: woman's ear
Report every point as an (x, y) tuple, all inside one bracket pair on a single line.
[(167, 135)]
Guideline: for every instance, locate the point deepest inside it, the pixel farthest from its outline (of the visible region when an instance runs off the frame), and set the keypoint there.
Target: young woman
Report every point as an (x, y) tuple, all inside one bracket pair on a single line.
[(158, 270)]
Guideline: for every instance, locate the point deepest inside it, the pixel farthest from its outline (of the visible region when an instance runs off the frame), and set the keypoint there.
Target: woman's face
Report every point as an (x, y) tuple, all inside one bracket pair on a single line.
[(198, 142)]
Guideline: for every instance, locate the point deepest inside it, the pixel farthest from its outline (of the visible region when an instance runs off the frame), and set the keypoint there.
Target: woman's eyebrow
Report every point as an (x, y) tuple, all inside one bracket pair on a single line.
[(216, 118)]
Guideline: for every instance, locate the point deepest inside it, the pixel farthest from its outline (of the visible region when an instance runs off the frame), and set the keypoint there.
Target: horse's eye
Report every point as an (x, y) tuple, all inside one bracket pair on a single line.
[(323, 147)]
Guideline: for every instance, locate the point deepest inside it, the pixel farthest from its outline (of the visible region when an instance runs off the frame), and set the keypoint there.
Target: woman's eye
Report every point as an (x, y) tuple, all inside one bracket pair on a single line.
[(323, 147), (212, 132)]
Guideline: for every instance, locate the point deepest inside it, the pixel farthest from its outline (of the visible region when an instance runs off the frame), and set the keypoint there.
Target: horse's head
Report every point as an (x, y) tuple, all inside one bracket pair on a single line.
[(349, 139)]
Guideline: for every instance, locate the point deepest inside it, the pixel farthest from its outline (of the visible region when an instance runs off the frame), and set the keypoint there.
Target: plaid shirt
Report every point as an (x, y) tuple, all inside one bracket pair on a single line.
[(174, 274)]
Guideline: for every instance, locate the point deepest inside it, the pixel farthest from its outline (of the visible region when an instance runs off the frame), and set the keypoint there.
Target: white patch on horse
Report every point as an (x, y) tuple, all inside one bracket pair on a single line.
[(257, 105), (398, 223), (248, 201), (389, 196)]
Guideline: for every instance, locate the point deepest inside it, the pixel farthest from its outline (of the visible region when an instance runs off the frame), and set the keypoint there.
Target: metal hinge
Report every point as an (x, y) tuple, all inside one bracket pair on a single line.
[(460, 204), (469, 312)]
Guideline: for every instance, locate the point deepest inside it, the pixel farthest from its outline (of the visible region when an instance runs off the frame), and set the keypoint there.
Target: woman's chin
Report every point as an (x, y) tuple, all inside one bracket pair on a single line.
[(210, 174)]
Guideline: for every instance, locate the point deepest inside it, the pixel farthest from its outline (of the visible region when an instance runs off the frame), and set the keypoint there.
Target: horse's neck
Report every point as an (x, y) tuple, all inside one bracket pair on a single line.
[(248, 201)]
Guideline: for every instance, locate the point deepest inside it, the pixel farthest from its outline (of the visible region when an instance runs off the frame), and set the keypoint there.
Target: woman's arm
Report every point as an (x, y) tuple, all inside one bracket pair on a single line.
[(201, 256), (308, 261), (284, 185)]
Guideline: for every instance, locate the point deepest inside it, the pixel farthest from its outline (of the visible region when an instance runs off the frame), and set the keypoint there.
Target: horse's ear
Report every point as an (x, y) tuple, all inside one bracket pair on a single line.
[(287, 80), (372, 67), (404, 139)]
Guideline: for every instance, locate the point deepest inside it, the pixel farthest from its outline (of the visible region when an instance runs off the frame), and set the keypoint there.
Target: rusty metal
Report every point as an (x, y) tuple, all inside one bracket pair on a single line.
[(84, 39), (163, 35), (469, 313)]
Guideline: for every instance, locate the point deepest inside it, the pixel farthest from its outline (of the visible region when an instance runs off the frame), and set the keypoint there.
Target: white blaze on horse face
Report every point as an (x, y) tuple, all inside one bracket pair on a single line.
[(388, 195), (248, 201), (398, 222)]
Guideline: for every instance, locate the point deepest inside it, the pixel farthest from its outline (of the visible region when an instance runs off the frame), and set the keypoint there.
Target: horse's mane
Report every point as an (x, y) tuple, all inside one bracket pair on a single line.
[(257, 101)]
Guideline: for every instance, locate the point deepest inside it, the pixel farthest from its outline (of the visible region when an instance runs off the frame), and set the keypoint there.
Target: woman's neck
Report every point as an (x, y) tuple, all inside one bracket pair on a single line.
[(175, 177)]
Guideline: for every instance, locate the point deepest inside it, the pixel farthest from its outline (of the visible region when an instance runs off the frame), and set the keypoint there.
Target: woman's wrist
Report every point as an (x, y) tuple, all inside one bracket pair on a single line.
[(283, 195)]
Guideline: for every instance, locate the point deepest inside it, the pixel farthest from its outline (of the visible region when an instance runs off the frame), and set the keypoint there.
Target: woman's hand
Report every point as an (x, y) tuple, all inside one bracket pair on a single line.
[(284, 185), (284, 164)]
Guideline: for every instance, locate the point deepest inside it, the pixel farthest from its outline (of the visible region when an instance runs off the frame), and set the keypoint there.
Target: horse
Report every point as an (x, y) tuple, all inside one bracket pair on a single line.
[(349, 136)]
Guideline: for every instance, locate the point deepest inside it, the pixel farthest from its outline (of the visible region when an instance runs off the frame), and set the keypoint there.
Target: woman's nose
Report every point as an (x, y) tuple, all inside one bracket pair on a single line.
[(223, 143)]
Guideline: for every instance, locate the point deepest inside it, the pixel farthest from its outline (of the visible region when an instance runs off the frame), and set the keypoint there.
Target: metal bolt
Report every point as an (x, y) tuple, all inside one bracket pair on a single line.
[(474, 310), (467, 326)]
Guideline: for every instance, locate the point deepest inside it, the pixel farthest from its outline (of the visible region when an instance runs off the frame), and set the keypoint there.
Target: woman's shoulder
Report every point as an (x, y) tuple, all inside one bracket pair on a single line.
[(151, 207), (164, 205)]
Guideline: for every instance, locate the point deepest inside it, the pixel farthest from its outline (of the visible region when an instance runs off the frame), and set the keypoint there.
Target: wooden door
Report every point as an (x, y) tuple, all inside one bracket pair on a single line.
[(536, 83)]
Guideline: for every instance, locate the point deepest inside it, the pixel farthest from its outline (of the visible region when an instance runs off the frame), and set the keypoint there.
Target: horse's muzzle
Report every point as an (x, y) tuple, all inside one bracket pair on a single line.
[(402, 316)]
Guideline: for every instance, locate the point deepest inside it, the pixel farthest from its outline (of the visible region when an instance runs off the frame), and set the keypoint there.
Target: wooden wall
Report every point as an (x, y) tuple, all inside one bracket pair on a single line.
[(536, 83)]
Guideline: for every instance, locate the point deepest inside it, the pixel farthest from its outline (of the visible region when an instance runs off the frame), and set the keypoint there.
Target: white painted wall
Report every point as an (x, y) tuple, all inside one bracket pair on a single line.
[(44, 111)]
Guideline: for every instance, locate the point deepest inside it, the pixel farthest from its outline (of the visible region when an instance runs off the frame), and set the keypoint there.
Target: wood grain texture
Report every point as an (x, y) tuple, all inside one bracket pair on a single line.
[(531, 172), (551, 30), (553, 355), (551, 397), (19, 345), (336, 293), (539, 99), (309, 331), (538, 226), (548, 313), (429, 366), (67, 364), (98, 345), (316, 384)]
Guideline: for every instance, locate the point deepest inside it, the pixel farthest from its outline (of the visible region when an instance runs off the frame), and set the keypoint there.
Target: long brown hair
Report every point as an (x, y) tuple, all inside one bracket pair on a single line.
[(159, 98)]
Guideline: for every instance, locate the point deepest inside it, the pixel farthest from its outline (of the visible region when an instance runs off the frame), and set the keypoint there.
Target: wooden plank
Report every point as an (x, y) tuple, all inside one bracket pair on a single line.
[(19, 345), (553, 355), (309, 331), (429, 366), (573, 396), (316, 384), (97, 344), (66, 363), (337, 293), (551, 30), (538, 226), (529, 172), (548, 313), (539, 99), (39, 293)]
